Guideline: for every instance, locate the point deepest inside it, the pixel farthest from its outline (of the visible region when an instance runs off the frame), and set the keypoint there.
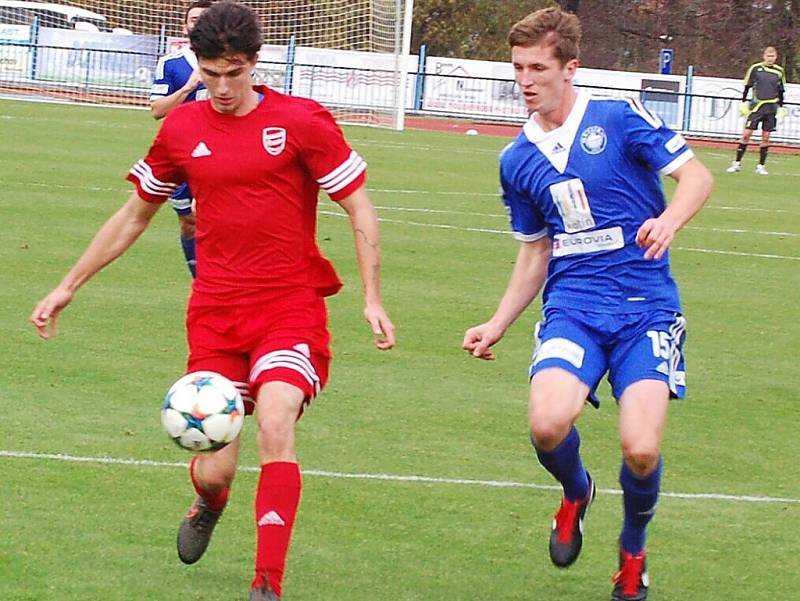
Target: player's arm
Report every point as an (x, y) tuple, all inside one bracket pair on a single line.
[(695, 184), (159, 107), (749, 80), (364, 220), (114, 238), (526, 280)]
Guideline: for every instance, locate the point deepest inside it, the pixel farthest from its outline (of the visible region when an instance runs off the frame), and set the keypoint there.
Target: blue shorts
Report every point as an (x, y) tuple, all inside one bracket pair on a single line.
[(181, 200), (630, 347)]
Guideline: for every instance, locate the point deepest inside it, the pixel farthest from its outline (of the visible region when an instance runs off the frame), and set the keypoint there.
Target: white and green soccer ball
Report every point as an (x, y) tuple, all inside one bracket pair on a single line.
[(203, 411)]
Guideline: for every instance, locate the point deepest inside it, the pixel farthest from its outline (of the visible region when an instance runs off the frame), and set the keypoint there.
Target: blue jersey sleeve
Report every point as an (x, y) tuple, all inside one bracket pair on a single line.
[(527, 221), (164, 82), (652, 142)]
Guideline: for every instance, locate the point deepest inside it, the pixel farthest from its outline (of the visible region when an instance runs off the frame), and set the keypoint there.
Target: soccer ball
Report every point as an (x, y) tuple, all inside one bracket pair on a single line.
[(203, 411)]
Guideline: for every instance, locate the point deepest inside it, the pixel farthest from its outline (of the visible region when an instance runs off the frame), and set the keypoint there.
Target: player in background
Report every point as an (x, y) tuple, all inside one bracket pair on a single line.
[(582, 187), (768, 81), (176, 81), (256, 160)]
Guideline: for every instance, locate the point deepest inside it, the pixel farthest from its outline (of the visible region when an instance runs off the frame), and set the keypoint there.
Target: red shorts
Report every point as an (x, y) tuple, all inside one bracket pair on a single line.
[(284, 339)]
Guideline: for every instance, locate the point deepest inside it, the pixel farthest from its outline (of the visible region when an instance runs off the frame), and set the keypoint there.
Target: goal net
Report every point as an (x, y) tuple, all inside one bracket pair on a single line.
[(347, 54)]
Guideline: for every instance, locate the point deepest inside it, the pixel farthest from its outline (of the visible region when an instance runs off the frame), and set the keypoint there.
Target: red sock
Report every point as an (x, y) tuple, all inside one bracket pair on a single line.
[(215, 501), (277, 500)]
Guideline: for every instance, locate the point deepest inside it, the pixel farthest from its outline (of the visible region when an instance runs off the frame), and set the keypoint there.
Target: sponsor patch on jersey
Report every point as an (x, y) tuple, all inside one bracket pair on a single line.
[(274, 140), (594, 139), (560, 348), (675, 143), (588, 242), (573, 205), (160, 89)]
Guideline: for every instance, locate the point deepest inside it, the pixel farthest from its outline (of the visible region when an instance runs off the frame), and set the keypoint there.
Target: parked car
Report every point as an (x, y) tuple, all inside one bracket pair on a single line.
[(59, 16)]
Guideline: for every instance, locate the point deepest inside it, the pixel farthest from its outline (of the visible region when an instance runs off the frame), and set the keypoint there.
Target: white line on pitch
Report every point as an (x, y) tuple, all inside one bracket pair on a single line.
[(497, 215), (506, 232), (495, 195), (390, 477), (724, 230)]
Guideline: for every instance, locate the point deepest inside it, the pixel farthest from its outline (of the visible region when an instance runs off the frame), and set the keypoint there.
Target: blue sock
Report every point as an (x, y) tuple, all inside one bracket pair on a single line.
[(639, 497), (564, 462), (188, 253)]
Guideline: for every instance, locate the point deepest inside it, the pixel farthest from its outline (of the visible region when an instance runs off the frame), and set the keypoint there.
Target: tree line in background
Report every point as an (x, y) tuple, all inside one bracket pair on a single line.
[(718, 37)]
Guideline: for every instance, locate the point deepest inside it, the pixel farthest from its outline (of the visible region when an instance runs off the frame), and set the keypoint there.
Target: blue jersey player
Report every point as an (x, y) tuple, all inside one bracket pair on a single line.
[(582, 187), (177, 81)]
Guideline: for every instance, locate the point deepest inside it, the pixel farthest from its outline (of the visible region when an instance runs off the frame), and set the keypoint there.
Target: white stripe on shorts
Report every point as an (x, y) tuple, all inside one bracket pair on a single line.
[(244, 391), (291, 360)]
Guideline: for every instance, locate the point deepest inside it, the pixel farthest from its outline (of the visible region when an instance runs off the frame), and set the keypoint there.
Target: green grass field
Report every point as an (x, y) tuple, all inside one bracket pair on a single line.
[(420, 483)]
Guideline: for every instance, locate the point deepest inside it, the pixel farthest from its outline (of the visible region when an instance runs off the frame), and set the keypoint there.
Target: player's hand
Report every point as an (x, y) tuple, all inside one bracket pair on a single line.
[(744, 108), (781, 115), (478, 340), (193, 81), (45, 315), (382, 326), (655, 236)]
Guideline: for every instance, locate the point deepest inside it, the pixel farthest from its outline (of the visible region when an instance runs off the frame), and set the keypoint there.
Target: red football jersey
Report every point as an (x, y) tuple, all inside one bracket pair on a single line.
[(255, 180)]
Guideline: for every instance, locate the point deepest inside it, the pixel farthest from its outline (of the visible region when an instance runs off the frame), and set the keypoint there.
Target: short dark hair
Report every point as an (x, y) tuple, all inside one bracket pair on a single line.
[(224, 29), (196, 4), (551, 27)]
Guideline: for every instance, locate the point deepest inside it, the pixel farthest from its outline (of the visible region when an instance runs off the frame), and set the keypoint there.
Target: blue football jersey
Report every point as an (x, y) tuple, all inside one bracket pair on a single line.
[(588, 186), (172, 72)]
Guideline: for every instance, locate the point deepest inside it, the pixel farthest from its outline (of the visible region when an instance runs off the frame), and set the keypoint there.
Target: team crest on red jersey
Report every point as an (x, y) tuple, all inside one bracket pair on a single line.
[(274, 140)]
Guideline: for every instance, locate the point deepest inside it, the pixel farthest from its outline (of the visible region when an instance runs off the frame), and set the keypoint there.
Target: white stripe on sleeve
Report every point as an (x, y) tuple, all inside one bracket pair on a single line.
[(344, 174), (149, 182)]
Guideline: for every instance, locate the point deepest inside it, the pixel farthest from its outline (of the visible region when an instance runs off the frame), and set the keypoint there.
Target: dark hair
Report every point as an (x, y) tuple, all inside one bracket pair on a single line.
[(551, 27), (224, 29), (196, 4)]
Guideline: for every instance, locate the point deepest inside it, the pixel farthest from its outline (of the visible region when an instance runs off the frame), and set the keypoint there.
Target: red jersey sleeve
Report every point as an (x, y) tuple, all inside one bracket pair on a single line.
[(338, 169), (155, 176)]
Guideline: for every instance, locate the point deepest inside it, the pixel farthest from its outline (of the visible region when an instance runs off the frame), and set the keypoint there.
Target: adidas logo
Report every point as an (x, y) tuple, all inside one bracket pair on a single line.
[(271, 518), (201, 150), (303, 349), (558, 148)]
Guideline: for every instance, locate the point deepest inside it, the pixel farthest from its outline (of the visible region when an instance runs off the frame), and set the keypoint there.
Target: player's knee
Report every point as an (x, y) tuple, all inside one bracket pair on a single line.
[(275, 428), (547, 434), (187, 229), (218, 480), (641, 457), (275, 437), (216, 474)]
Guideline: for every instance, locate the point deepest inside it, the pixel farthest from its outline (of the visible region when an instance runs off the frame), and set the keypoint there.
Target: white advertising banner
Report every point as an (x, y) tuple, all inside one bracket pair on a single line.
[(343, 78), (483, 88), (90, 58), (715, 107), (15, 54), (470, 87), (15, 33)]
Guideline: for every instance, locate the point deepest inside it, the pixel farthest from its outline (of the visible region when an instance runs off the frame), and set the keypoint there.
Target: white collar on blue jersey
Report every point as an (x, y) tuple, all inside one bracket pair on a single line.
[(188, 54), (556, 143)]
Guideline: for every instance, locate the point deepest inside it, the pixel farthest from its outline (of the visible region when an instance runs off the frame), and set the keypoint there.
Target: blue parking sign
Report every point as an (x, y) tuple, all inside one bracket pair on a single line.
[(665, 61)]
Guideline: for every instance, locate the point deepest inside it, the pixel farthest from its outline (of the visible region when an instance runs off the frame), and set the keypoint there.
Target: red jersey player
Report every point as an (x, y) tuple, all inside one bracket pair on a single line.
[(255, 160)]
